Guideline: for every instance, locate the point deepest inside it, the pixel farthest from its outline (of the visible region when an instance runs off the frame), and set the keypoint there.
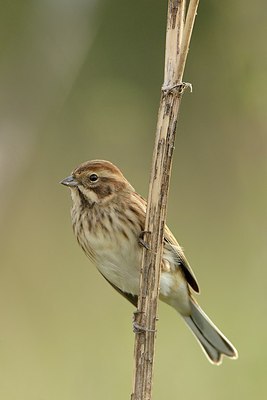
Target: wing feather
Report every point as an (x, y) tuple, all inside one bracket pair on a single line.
[(171, 242), (130, 297)]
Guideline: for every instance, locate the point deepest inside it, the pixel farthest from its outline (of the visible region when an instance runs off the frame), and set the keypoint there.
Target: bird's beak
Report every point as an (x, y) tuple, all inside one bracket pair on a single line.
[(69, 181)]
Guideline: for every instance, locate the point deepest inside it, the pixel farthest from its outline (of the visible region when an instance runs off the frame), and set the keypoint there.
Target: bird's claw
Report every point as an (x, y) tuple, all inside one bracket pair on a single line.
[(137, 328), (140, 329), (141, 240)]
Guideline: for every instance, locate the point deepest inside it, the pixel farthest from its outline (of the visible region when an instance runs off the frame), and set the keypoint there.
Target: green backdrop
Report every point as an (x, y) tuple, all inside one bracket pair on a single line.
[(81, 80)]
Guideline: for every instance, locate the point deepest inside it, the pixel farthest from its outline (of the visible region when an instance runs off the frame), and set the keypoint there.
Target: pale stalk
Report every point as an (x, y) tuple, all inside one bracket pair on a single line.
[(177, 44)]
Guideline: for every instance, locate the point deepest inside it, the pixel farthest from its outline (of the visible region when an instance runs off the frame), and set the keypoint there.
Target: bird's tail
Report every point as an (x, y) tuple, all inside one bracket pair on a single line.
[(212, 341)]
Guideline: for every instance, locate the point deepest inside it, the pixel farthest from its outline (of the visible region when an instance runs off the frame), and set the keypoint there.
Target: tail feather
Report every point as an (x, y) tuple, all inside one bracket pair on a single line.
[(213, 342)]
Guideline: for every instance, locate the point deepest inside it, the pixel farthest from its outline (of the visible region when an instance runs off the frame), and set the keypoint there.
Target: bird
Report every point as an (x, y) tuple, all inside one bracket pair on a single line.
[(108, 219)]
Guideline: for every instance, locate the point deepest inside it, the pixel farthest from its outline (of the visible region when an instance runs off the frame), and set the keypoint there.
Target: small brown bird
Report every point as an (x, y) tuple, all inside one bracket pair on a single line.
[(108, 217)]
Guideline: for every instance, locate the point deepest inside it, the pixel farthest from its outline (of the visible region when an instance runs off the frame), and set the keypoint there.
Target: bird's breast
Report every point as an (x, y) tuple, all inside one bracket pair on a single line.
[(112, 245)]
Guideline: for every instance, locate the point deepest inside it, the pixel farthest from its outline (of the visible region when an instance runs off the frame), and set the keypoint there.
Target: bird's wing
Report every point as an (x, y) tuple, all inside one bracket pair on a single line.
[(171, 243), (131, 297)]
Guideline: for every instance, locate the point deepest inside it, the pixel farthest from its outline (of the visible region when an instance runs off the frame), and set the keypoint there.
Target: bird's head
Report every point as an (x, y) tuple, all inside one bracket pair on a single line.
[(96, 181)]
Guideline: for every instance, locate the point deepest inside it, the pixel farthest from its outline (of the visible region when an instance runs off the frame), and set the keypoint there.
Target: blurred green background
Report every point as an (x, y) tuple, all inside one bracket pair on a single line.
[(81, 80)]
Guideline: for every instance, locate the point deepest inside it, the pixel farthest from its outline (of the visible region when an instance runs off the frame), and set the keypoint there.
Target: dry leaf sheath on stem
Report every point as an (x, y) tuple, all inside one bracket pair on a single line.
[(177, 44)]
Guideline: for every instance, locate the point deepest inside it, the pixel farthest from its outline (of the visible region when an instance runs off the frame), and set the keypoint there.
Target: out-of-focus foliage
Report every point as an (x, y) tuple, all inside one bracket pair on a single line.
[(81, 80)]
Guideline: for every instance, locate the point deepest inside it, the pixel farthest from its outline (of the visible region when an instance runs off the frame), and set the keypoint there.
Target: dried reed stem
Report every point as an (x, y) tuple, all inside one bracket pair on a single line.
[(178, 36)]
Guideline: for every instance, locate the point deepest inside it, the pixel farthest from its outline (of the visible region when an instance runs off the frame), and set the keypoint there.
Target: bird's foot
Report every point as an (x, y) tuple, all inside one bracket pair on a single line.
[(141, 240), (137, 328), (140, 329)]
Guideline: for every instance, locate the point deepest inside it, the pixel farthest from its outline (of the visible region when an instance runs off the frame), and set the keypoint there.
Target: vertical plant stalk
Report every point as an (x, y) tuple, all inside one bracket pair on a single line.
[(178, 35)]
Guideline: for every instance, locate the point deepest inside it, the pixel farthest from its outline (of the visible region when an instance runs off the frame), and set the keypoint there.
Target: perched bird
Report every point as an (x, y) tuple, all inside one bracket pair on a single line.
[(108, 217)]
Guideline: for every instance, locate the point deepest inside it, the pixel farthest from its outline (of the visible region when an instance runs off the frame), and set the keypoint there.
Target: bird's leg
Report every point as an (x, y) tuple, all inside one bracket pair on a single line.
[(141, 239), (137, 328)]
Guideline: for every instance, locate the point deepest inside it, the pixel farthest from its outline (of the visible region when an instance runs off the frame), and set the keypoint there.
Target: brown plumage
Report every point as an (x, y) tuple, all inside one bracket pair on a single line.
[(108, 216)]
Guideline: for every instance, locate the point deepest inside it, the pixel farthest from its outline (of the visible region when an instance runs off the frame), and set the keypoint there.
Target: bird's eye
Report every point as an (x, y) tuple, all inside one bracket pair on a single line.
[(93, 177)]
